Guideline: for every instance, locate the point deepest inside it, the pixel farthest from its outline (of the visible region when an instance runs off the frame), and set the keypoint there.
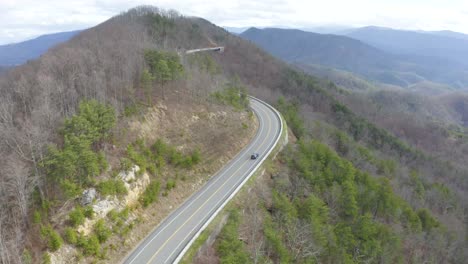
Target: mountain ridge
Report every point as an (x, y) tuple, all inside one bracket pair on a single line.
[(357, 56), (442, 44), (18, 53)]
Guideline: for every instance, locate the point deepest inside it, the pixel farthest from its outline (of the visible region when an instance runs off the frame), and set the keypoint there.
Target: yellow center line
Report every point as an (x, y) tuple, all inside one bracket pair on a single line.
[(261, 145), (220, 174), (207, 200)]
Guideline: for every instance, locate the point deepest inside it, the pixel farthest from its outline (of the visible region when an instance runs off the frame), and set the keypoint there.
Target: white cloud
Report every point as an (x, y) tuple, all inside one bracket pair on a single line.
[(21, 19)]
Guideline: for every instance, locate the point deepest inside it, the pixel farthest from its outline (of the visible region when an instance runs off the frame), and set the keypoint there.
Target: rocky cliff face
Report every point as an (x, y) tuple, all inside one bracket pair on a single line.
[(135, 184)]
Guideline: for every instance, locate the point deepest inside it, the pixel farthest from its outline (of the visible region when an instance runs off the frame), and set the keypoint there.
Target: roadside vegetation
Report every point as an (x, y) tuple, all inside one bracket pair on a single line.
[(329, 206), (234, 94), (73, 166)]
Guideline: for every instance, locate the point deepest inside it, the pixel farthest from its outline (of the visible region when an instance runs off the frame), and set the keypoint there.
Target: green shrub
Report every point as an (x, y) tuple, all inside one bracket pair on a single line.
[(46, 258), (92, 122), (160, 162), (170, 184), (175, 158), (159, 147), (103, 164), (428, 222), (140, 143), (124, 213), (37, 217), (71, 189), (234, 94), (88, 212), (290, 112), (196, 156), (163, 66), (126, 229), (91, 245), (76, 217), (186, 162), (26, 257), (102, 231), (112, 187), (151, 194), (126, 164), (152, 168), (112, 215), (137, 157), (54, 240), (230, 248), (131, 110), (71, 235)]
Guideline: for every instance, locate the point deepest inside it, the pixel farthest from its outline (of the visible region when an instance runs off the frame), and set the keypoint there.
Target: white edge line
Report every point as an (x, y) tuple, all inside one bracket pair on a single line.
[(231, 188), (191, 199), (189, 244)]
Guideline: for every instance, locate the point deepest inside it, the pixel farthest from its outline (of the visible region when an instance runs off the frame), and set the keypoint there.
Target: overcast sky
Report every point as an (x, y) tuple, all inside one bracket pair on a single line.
[(24, 19)]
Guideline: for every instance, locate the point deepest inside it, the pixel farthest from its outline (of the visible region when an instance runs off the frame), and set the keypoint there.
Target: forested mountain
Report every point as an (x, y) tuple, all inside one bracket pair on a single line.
[(347, 190), (18, 53), (116, 101), (361, 58), (332, 50), (440, 44)]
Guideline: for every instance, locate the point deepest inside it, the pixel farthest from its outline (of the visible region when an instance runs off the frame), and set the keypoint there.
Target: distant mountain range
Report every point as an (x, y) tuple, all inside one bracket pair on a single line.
[(326, 29), (448, 33), (446, 45), (385, 55), (395, 64), (19, 53)]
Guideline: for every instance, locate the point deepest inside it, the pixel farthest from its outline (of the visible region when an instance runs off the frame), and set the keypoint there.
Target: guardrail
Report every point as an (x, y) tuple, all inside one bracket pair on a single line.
[(215, 213)]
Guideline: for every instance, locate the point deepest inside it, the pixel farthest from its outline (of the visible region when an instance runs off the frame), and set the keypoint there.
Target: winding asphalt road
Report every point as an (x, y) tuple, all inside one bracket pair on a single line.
[(169, 241)]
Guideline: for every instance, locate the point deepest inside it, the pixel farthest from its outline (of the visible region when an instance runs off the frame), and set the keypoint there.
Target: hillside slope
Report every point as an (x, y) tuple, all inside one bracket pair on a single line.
[(115, 110)]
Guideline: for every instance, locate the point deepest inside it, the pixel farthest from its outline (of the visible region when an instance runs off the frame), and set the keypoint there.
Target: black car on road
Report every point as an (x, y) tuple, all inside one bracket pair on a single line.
[(254, 156)]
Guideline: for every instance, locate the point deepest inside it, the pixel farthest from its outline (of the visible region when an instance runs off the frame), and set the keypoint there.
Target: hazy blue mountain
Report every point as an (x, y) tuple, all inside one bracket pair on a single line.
[(345, 53), (448, 33), (441, 44), (19, 53), (325, 29)]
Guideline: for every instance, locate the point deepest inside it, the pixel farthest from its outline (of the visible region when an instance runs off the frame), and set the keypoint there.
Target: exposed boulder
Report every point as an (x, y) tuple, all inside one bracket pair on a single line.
[(135, 189), (88, 196), (135, 186), (128, 176)]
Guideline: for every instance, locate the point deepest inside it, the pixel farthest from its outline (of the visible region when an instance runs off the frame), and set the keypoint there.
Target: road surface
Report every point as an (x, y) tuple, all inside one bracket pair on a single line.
[(175, 234)]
